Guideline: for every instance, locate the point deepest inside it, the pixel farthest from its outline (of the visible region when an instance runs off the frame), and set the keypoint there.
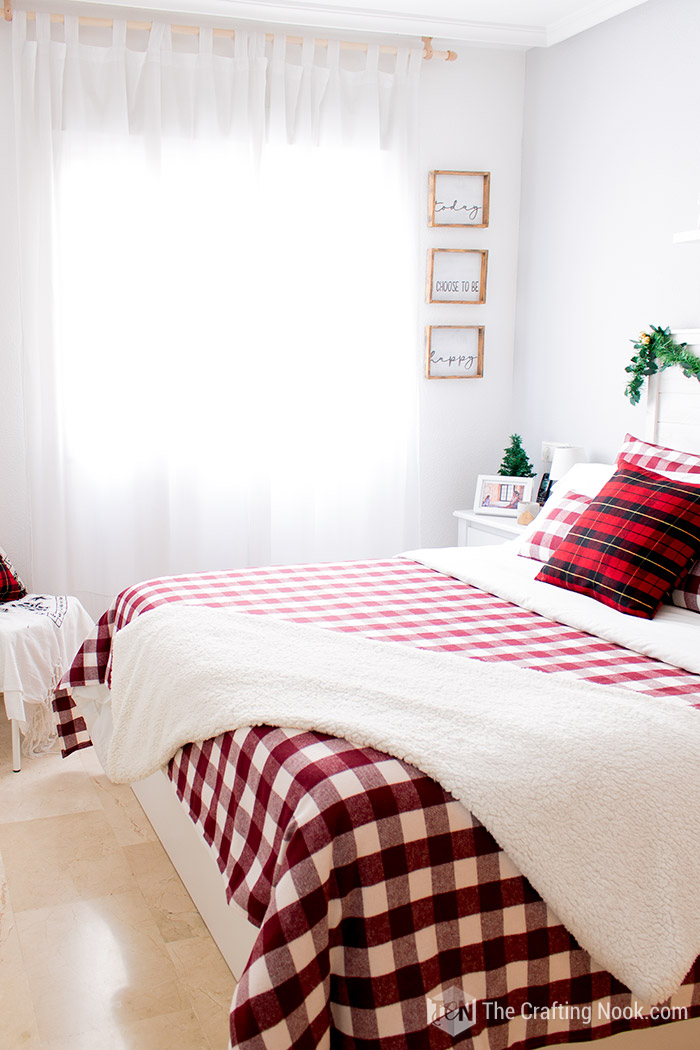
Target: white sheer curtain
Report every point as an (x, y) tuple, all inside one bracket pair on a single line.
[(219, 302)]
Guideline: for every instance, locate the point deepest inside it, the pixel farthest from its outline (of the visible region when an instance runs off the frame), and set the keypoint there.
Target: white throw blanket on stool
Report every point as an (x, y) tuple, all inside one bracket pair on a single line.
[(593, 792), (39, 637)]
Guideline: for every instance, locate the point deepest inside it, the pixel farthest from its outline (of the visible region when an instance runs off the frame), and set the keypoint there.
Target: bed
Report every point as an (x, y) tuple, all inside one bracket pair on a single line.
[(358, 902)]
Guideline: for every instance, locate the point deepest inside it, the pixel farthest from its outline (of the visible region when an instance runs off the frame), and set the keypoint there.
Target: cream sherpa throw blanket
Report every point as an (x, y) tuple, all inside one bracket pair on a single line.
[(594, 792)]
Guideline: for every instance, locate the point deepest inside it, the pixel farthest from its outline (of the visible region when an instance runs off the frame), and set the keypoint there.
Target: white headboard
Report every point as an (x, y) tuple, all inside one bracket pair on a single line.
[(673, 402)]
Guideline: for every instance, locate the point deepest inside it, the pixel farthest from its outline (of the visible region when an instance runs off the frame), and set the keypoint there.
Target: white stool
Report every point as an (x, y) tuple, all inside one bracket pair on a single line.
[(39, 637)]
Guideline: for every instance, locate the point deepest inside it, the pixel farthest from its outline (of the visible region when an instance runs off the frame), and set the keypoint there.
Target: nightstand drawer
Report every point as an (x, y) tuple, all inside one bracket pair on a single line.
[(478, 538), (481, 530)]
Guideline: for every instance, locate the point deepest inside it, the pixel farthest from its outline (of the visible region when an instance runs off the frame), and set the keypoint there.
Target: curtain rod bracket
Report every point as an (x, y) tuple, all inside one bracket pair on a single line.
[(8, 10), (430, 53)]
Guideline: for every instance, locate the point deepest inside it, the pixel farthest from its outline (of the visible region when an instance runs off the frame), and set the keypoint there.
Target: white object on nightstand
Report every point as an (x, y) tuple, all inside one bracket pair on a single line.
[(479, 530)]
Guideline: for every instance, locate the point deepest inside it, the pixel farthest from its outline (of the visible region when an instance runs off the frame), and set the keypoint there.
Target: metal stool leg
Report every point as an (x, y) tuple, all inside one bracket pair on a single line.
[(16, 747)]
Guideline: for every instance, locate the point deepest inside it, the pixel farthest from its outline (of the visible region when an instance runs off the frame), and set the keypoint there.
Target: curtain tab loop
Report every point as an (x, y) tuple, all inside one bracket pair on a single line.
[(402, 59), (240, 43), (70, 29), (256, 44), (206, 40), (119, 33), (279, 47), (415, 61), (333, 57), (308, 50), (156, 36), (43, 27), (372, 58), (19, 25)]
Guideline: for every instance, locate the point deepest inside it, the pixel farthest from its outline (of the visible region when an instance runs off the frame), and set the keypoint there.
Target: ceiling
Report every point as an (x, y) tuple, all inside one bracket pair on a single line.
[(500, 23)]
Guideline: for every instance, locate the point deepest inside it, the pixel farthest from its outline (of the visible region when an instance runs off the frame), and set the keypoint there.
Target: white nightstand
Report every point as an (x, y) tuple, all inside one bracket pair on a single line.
[(478, 530)]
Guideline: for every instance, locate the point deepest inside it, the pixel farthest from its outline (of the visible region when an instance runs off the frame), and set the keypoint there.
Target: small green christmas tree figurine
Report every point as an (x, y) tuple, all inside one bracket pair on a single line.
[(515, 462)]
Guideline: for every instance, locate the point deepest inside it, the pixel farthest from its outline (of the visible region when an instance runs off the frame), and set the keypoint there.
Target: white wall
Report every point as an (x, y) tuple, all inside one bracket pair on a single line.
[(14, 507), (471, 120), (611, 169)]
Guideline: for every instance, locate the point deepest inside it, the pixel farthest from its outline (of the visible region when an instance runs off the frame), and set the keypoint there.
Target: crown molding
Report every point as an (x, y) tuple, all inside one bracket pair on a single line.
[(391, 18), (302, 14)]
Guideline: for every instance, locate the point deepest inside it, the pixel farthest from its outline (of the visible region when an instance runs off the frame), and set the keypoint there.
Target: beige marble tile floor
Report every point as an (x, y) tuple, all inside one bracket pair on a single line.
[(101, 947)]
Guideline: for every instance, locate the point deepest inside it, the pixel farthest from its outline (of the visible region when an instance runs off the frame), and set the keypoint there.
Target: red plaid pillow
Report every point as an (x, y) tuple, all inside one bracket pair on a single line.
[(687, 591), (553, 525), (635, 540), (638, 453), (11, 587)]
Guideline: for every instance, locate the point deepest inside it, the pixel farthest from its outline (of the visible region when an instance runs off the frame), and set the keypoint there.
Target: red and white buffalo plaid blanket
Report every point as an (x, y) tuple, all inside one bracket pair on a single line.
[(389, 918)]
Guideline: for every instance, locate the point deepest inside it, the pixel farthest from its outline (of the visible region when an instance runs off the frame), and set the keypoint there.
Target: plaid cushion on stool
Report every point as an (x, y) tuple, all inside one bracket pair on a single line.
[(553, 525), (632, 544), (686, 594), (638, 453), (11, 587)]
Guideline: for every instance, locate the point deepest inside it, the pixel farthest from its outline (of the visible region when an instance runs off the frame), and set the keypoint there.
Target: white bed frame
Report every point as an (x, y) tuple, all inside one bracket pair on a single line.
[(193, 860), (673, 419), (195, 864), (673, 402)]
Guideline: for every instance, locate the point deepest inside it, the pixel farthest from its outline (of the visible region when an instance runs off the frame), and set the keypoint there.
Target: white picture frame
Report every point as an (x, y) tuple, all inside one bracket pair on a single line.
[(499, 494)]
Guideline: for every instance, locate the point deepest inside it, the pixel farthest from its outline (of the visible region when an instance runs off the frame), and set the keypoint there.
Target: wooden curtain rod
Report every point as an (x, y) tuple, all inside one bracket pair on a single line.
[(348, 45)]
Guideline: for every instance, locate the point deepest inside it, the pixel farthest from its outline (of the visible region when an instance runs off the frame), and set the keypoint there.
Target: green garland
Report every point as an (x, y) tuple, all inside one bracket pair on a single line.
[(657, 350)]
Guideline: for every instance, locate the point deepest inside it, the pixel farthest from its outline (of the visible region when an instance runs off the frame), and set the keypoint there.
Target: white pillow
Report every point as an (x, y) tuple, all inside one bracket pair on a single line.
[(586, 478)]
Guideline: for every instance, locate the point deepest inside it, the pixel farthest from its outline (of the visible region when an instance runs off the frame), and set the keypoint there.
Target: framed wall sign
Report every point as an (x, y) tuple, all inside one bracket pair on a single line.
[(456, 275), (459, 198), (454, 351), (496, 494)]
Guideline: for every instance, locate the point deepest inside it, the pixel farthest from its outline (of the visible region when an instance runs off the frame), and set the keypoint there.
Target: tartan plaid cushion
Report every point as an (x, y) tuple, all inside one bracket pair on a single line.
[(638, 453), (632, 544), (686, 594), (553, 525), (11, 587)]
